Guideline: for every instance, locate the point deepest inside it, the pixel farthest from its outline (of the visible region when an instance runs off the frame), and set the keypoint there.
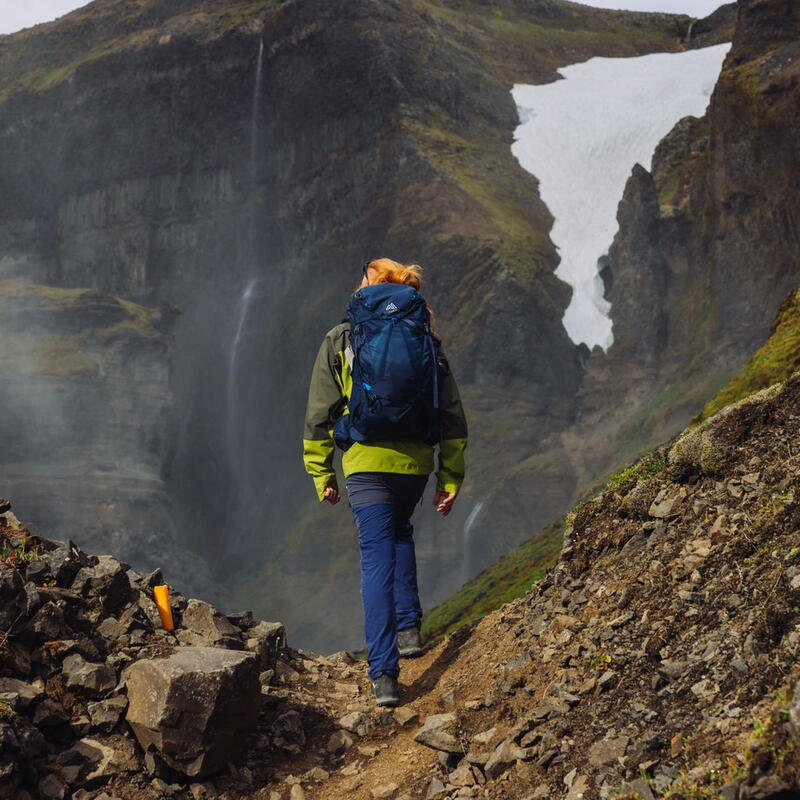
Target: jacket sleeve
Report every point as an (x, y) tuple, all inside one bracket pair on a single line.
[(453, 441), (325, 402)]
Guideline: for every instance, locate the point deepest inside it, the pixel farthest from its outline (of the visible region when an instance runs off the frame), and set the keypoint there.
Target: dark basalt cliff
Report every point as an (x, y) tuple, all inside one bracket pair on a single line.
[(708, 247), (241, 160), (87, 419)]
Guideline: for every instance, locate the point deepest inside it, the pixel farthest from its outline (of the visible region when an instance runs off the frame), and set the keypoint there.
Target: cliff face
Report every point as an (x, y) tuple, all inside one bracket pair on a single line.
[(708, 247), (242, 160), (87, 419)]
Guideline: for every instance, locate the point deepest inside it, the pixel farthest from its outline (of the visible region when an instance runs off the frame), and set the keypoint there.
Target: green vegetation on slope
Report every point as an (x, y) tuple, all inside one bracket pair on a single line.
[(55, 332), (773, 363), (511, 577)]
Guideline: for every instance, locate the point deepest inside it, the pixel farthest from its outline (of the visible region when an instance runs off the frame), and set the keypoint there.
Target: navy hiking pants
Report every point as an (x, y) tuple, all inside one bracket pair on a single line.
[(382, 505)]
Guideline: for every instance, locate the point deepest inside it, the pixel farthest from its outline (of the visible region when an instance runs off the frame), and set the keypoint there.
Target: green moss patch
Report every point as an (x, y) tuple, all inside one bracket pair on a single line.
[(511, 577), (773, 363)]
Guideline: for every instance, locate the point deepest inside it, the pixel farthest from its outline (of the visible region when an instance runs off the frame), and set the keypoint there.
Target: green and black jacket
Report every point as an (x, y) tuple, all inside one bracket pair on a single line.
[(330, 388)]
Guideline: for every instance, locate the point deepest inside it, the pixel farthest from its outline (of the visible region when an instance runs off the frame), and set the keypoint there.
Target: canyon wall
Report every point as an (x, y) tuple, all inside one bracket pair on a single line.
[(240, 161)]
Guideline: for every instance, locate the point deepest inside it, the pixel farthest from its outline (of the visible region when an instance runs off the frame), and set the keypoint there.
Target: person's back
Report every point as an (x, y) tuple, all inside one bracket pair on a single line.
[(388, 448)]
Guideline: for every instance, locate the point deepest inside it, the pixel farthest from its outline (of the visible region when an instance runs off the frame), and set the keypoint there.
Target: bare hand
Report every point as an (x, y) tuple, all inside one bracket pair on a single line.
[(332, 496), (444, 502)]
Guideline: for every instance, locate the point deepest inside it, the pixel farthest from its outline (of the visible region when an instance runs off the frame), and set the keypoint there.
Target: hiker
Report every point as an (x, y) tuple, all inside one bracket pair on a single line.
[(381, 389)]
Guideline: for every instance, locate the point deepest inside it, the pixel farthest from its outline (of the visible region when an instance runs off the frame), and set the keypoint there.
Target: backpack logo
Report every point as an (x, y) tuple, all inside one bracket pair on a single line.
[(391, 308)]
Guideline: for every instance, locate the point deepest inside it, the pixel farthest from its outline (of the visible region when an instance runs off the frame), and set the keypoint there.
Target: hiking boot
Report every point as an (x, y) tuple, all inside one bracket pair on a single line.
[(408, 642), (386, 690)]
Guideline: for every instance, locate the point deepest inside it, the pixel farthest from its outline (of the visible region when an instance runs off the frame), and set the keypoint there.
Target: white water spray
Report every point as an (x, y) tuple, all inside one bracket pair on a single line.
[(582, 136), (466, 542)]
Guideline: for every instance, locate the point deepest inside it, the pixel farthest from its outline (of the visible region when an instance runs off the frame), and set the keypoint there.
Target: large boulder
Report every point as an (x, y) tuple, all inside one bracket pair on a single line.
[(195, 706)]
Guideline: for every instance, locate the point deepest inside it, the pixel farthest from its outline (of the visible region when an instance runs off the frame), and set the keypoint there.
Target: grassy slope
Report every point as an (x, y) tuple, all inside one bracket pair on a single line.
[(773, 363), (504, 581)]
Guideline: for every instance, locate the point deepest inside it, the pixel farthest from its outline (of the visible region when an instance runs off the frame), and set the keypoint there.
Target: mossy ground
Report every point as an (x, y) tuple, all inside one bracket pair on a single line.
[(136, 27), (60, 347), (773, 363), (511, 577)]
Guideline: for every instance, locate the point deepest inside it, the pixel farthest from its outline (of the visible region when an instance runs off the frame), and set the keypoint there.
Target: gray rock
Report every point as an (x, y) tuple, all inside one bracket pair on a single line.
[(674, 669), (111, 629), (288, 733), (384, 791), (435, 788), (105, 714), (705, 689), (203, 791), (607, 751), (765, 788), (607, 680), (208, 623), (26, 692), (65, 561), (405, 716), (730, 791), (94, 762), (462, 775), (195, 706), (267, 640), (13, 600), (107, 579), (338, 742), (663, 505), (93, 679), (641, 788), (48, 622), (356, 722), (52, 788), (438, 731), (504, 755), (794, 714)]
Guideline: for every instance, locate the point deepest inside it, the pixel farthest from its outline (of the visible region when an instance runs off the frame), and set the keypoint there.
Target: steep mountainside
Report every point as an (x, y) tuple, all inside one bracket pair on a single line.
[(774, 362), (87, 419), (708, 247), (241, 160)]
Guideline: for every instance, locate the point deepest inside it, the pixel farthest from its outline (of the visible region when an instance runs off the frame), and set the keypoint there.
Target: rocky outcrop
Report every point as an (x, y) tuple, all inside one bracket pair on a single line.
[(194, 706), (85, 666), (707, 250), (658, 658)]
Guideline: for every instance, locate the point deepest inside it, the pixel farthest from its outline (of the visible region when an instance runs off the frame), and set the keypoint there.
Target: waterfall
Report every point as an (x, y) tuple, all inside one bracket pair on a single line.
[(466, 542), (689, 32), (235, 437)]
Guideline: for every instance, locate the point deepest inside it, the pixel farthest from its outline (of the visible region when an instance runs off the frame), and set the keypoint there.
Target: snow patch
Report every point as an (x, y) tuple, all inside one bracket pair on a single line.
[(581, 137)]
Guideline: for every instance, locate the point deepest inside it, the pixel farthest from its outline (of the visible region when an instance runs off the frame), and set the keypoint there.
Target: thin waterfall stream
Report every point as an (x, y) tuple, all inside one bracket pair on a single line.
[(236, 439)]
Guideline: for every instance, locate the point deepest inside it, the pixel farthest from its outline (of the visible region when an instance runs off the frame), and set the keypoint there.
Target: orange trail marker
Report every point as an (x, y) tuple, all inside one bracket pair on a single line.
[(162, 603)]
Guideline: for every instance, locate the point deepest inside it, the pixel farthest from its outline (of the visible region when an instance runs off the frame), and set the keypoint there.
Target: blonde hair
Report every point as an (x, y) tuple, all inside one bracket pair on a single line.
[(387, 271)]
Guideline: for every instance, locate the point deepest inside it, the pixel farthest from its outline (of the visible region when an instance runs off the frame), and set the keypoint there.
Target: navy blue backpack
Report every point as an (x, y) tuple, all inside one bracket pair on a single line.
[(395, 368)]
